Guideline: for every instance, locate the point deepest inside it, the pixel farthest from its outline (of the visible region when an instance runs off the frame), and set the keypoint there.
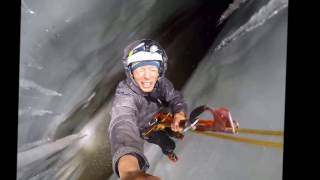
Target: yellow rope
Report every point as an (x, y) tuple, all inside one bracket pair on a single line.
[(260, 132), (270, 144)]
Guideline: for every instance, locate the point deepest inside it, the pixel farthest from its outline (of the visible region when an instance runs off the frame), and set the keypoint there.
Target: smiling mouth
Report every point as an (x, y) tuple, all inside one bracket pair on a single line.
[(146, 84)]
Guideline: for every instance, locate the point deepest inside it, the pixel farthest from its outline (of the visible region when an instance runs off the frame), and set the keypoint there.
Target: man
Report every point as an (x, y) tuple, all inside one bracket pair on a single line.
[(143, 93)]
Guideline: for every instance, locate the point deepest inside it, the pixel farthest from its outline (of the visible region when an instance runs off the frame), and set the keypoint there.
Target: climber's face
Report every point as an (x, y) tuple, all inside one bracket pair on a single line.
[(146, 77)]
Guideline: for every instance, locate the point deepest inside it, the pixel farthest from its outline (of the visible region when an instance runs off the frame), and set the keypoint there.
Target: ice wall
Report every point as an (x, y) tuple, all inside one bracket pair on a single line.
[(245, 70), (69, 66)]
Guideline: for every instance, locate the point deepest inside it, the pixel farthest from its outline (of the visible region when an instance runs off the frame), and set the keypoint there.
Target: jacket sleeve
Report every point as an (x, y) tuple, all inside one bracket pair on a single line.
[(172, 96), (124, 133)]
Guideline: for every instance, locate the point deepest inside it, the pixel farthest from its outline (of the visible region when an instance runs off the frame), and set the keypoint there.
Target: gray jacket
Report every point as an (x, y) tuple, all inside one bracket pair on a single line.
[(131, 111)]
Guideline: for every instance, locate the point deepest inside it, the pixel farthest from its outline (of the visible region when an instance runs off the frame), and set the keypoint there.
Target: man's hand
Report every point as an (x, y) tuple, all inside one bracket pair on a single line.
[(129, 169), (177, 118), (139, 175)]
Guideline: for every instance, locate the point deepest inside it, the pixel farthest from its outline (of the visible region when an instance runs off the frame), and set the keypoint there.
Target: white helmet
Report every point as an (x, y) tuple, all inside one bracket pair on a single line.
[(144, 50)]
